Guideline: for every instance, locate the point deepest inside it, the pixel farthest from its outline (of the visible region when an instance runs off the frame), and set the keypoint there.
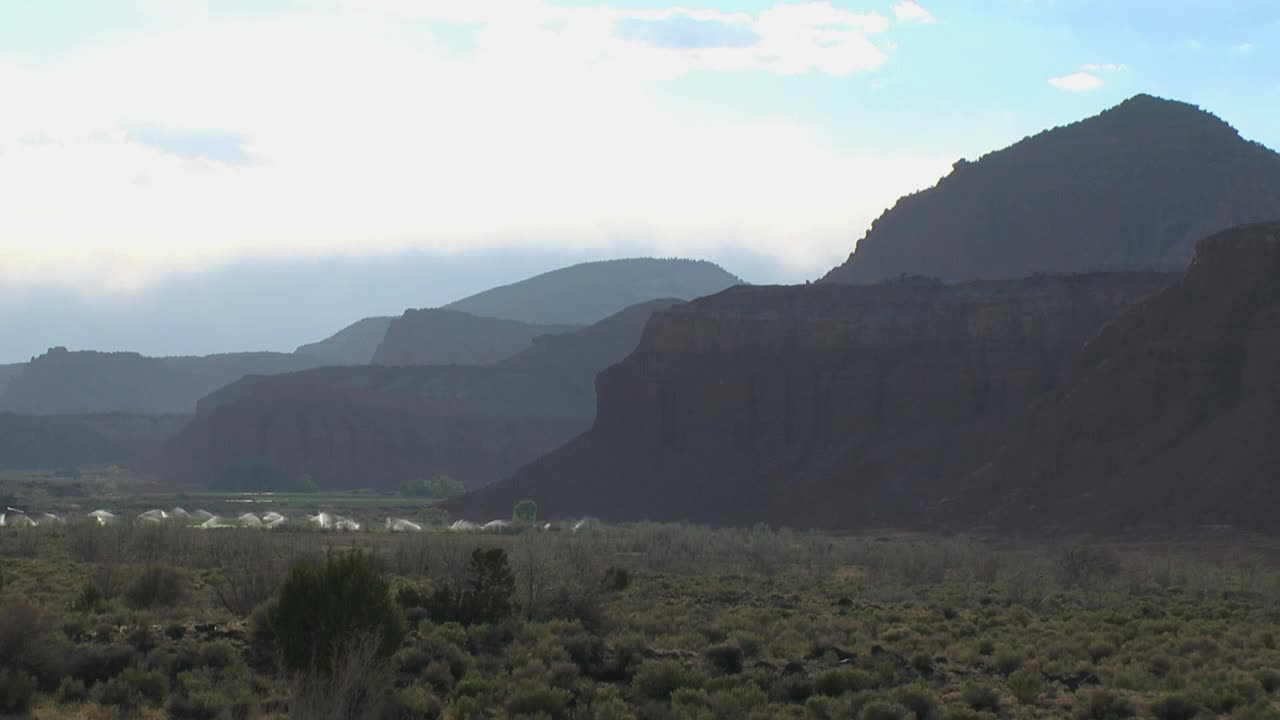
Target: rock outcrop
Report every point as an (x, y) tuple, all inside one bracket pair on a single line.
[(377, 427), (1172, 418), (1131, 189), (816, 406), (63, 382), (451, 337), (62, 441), (353, 345)]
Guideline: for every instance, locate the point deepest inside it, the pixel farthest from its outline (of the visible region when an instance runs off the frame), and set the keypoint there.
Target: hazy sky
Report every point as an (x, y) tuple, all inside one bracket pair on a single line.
[(144, 140)]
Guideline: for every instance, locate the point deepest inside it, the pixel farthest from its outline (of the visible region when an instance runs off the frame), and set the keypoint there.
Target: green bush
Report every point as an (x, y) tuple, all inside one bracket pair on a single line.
[(726, 658), (1026, 686), (486, 596), (131, 688), (882, 710), (525, 511), (918, 701), (319, 607), (1268, 678), (1175, 707), (90, 600), (538, 700), (657, 679), (981, 697), (17, 691), (1105, 705), (72, 690), (156, 586)]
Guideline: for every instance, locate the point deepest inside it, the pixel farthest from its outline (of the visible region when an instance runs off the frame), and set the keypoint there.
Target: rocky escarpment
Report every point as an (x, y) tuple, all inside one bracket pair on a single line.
[(1131, 189), (823, 405), (1173, 416), (451, 337), (62, 382), (62, 441), (380, 426)]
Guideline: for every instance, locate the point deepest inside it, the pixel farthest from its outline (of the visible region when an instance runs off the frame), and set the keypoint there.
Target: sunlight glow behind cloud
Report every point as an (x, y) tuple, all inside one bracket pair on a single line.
[(162, 151)]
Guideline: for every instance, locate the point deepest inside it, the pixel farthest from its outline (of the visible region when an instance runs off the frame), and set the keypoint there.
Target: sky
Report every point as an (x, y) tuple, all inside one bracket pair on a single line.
[(294, 165)]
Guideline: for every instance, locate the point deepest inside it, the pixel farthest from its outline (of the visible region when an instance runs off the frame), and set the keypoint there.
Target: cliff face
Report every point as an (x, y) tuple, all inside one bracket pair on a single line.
[(1173, 416), (380, 426), (62, 382), (56, 441), (450, 337), (824, 405), (1130, 189)]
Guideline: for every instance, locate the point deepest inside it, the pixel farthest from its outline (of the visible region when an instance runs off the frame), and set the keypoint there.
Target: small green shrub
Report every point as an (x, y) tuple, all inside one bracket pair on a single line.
[(90, 600), (486, 597), (657, 679), (918, 701), (17, 691), (1175, 707), (1105, 705), (726, 658), (539, 700), (72, 690), (1268, 678), (156, 586), (319, 607), (1026, 686), (981, 697), (882, 710)]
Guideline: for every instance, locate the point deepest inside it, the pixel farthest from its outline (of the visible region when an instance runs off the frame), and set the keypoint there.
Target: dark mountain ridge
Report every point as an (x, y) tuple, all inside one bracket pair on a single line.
[(1130, 189), (379, 426), (452, 337), (1173, 415), (353, 345), (816, 406)]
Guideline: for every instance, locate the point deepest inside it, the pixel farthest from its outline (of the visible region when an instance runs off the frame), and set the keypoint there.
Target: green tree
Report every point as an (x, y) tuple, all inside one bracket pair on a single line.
[(525, 511), (486, 595), (321, 607)]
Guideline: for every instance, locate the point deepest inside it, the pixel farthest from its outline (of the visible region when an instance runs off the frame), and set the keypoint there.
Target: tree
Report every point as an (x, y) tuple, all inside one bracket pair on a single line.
[(525, 511), (322, 607), (484, 597)]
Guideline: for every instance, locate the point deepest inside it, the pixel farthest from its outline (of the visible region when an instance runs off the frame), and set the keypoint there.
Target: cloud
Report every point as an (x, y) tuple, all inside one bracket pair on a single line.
[(1077, 82), (214, 145), (1244, 48), (161, 151), (1087, 78), (685, 32), (909, 11)]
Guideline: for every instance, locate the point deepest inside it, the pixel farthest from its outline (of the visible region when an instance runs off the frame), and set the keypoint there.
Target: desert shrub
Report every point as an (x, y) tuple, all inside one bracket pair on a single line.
[(354, 684), (617, 578), (1026, 686), (131, 688), (95, 664), (412, 703), (156, 586), (1006, 661), (321, 606), (486, 595), (794, 688), (248, 583), (439, 675), (1175, 707), (1084, 564), (981, 697), (17, 691), (27, 643), (525, 511), (837, 681), (918, 701), (882, 710), (1105, 705), (1268, 678), (657, 679), (90, 600), (206, 694), (72, 690), (539, 700), (726, 658)]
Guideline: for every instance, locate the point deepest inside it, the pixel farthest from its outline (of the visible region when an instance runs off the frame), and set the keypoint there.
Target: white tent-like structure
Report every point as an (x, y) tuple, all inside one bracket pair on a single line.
[(153, 516), (202, 515), (249, 520), (330, 521), (464, 526), (273, 520), (402, 525), (216, 523), (103, 517), (497, 526), (16, 520)]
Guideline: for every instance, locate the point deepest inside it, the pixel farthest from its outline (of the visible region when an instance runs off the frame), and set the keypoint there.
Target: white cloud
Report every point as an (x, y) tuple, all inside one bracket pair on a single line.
[(1086, 78), (1245, 48), (365, 137), (1077, 82), (909, 11)]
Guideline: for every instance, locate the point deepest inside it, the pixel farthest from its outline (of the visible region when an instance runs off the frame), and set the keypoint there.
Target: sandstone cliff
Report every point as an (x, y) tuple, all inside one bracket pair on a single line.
[(381, 426), (823, 405), (450, 337), (1173, 417), (1130, 189)]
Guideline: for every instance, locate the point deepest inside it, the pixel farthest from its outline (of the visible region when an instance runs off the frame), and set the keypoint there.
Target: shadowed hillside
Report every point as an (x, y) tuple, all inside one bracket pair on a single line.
[(450, 337), (54, 441), (381, 426), (1130, 189), (589, 292), (8, 373), (352, 345), (1173, 417), (61, 382), (822, 405)]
